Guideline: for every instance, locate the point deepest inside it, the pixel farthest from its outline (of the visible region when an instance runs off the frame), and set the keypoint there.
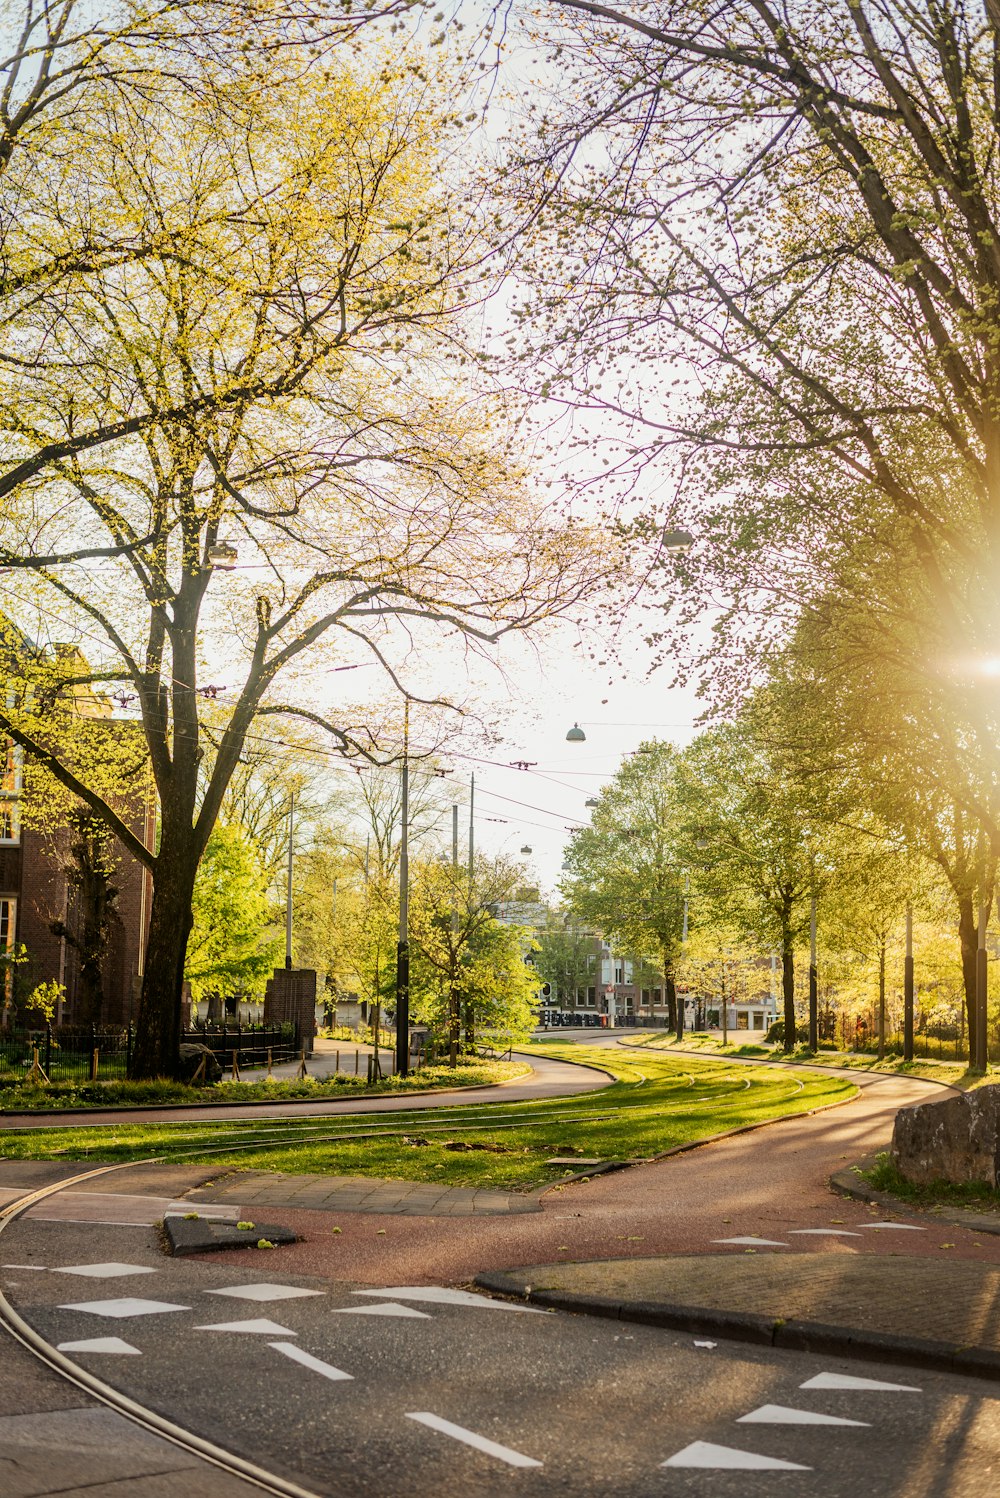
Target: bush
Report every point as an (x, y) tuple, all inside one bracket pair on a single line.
[(776, 1033)]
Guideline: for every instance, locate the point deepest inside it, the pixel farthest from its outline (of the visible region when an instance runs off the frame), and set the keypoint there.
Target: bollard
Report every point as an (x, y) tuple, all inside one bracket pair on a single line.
[(357, 1062), (336, 1062), (94, 1064)]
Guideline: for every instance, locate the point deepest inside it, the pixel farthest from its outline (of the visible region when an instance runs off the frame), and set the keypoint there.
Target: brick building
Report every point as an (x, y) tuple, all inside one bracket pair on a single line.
[(47, 891)]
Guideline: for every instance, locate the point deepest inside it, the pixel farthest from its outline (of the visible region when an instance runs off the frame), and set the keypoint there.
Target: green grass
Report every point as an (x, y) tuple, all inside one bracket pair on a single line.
[(969, 1196), (954, 1073), (655, 1102), (105, 1095)]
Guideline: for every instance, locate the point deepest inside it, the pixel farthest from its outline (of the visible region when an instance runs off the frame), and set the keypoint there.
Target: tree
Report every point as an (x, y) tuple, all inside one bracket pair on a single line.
[(794, 209), (626, 872), (565, 957), (468, 966), (761, 839), (284, 373), (233, 949)]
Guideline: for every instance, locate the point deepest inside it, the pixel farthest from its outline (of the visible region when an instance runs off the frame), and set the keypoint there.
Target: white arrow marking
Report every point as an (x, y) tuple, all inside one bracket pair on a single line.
[(848, 1381), (707, 1454), (780, 1414), (299, 1355), (469, 1438)]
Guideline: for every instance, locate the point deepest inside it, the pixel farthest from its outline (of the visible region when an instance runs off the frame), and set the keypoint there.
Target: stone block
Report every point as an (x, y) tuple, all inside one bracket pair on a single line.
[(955, 1139)]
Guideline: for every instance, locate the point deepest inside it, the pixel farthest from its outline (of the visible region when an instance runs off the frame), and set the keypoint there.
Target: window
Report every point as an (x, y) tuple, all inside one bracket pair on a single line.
[(10, 792), (8, 926)]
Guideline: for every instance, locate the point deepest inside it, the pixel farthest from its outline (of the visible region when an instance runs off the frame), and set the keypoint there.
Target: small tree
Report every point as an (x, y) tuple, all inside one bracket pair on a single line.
[(232, 950)]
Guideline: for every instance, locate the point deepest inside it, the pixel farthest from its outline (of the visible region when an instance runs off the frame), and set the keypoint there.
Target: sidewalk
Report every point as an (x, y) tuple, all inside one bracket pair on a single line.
[(894, 1309)]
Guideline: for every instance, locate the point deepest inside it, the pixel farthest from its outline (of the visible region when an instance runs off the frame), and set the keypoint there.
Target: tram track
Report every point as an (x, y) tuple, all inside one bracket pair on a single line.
[(15, 1326)]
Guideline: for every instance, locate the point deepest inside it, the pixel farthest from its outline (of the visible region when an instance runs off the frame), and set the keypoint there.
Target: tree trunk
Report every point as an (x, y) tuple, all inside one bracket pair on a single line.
[(158, 1025), (454, 1024), (968, 935), (674, 1000), (788, 991), (881, 1001)]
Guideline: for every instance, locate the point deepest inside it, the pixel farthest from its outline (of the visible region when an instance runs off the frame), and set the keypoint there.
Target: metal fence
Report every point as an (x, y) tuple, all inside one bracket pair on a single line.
[(84, 1053)]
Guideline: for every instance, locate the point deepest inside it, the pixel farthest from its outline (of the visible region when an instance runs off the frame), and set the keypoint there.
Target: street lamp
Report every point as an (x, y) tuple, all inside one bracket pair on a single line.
[(526, 848), (222, 556), (591, 802), (676, 543), (576, 735)]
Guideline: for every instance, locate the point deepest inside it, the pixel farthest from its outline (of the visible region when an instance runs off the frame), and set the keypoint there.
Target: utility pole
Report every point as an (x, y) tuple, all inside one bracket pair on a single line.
[(403, 945), (908, 988), (453, 1015), (288, 895), (472, 825)]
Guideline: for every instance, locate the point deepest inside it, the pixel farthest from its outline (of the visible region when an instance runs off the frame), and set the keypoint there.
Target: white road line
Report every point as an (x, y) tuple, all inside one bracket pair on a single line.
[(781, 1414), (706, 1454), (299, 1355), (261, 1327), (439, 1295), (753, 1242), (821, 1233), (127, 1305), (849, 1381), (104, 1271), (469, 1438), (264, 1292), (389, 1309), (100, 1344), (899, 1227)]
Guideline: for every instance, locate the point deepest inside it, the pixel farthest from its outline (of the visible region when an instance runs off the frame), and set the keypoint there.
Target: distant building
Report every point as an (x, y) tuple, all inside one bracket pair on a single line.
[(47, 898)]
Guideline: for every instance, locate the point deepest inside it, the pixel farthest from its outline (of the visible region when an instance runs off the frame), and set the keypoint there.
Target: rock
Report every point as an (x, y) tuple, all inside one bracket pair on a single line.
[(191, 1058), (956, 1139)]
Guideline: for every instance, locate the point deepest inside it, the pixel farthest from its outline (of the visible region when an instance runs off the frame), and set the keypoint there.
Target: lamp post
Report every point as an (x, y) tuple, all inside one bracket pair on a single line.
[(288, 893), (908, 988), (813, 978), (981, 1061), (403, 945)]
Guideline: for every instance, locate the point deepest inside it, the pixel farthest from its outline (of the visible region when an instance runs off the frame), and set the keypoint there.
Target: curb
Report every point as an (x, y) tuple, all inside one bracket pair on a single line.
[(744, 1326), (848, 1184)]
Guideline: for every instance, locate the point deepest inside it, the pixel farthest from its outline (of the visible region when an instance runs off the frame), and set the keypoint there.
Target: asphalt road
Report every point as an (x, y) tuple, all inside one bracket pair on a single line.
[(374, 1384), (534, 1403)]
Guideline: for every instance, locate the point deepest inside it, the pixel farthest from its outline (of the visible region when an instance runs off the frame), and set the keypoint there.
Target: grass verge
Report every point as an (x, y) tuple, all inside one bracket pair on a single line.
[(655, 1103), (106, 1095), (970, 1196), (954, 1073)]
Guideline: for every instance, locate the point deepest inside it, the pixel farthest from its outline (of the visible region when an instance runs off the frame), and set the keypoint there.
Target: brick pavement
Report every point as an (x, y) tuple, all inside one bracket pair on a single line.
[(920, 1298), (366, 1194)]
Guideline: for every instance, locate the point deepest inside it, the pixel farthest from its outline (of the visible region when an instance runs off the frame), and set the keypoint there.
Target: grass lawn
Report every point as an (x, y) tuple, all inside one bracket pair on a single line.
[(969, 1196), (654, 1103), (104, 1095), (954, 1073)]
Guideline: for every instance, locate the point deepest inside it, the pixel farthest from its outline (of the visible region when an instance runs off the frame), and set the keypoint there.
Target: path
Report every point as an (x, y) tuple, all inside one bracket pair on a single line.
[(548, 1079)]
